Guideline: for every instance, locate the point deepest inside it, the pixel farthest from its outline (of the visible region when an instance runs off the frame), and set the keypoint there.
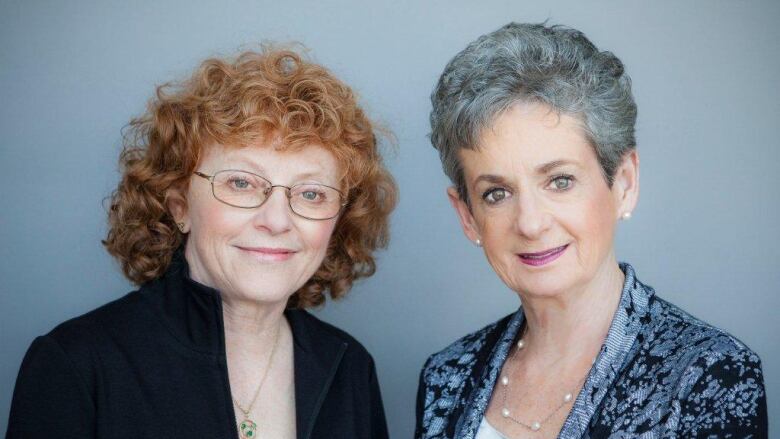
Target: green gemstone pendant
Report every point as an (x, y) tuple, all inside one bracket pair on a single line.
[(248, 429)]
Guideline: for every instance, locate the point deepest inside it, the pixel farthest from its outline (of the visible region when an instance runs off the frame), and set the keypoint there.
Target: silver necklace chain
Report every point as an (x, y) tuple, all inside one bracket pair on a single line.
[(536, 425)]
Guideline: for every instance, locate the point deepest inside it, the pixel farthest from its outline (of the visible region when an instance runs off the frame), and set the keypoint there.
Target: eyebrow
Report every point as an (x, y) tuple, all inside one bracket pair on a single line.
[(242, 164), (549, 166), (490, 178), (314, 174), (257, 169), (541, 169)]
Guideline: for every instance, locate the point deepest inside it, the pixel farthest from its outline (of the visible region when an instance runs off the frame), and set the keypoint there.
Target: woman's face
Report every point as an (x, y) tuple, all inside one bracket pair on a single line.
[(540, 203), (263, 254)]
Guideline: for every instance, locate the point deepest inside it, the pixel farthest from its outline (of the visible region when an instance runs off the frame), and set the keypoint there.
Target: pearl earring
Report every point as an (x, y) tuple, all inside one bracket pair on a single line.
[(478, 242), (626, 215)]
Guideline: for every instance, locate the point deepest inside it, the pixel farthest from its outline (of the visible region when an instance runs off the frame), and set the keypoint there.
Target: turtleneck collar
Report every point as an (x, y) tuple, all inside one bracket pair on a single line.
[(192, 312)]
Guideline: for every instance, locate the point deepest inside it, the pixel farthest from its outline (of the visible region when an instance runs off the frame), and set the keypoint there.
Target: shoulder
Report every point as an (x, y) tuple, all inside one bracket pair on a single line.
[(73, 348), (675, 329), (718, 382), (669, 335), (701, 362), (79, 334), (463, 352)]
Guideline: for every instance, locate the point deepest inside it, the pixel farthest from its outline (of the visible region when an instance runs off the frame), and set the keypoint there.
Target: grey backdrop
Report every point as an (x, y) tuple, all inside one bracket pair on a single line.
[(705, 233)]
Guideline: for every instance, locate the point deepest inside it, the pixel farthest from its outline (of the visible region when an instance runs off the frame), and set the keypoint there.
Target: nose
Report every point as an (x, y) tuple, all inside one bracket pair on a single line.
[(532, 217), (274, 215)]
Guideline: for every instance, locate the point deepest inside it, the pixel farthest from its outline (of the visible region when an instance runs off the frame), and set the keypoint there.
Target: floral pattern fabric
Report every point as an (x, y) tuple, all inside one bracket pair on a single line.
[(660, 373)]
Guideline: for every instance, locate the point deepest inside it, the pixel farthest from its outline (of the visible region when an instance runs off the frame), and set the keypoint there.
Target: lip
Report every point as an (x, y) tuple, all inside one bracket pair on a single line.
[(542, 258), (268, 254)]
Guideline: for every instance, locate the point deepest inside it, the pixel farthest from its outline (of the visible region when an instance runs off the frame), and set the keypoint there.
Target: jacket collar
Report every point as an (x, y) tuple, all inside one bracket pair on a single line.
[(192, 312), (317, 355), (626, 324)]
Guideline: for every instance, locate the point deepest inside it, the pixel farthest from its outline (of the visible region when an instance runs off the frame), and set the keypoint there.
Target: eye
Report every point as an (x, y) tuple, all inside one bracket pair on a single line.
[(561, 182), (312, 195), (495, 195), (240, 183)]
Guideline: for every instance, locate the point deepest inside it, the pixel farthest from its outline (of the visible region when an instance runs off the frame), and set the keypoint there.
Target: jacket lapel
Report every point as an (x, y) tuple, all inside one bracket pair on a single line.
[(484, 374), (623, 331), (316, 358)]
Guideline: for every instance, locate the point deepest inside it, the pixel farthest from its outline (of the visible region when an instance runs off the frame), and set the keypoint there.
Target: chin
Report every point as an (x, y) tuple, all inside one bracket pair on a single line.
[(553, 279), (265, 295), (549, 283), (264, 287), (543, 289)]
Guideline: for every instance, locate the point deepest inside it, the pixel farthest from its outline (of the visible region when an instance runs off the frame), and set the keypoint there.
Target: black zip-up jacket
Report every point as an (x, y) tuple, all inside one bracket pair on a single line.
[(152, 365)]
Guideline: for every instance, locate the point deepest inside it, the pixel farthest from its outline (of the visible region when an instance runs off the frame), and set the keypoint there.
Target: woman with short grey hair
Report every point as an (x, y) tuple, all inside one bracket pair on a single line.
[(535, 127)]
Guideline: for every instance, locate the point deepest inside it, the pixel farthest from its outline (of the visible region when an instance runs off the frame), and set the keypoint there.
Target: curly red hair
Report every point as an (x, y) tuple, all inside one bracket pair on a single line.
[(271, 92)]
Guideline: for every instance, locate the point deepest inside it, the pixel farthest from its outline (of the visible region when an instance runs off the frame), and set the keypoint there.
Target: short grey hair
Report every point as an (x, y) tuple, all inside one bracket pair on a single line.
[(532, 63)]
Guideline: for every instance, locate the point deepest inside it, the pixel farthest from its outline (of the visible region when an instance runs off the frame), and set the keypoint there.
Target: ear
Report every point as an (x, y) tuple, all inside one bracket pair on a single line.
[(176, 202), (464, 214), (625, 185)]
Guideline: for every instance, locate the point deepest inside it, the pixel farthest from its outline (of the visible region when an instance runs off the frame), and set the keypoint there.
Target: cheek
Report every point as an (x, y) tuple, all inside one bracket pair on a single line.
[(491, 228), (215, 223), (498, 249), (595, 226), (316, 235)]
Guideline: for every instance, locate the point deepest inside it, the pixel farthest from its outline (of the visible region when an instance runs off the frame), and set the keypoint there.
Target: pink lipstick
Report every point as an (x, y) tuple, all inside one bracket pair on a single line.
[(542, 258)]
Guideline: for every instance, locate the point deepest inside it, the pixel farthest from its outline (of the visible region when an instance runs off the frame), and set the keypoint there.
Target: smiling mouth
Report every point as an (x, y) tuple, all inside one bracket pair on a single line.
[(268, 254), (542, 258)]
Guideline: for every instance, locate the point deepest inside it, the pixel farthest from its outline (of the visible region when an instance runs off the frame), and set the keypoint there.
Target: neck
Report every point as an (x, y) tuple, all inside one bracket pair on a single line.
[(250, 325), (573, 324)]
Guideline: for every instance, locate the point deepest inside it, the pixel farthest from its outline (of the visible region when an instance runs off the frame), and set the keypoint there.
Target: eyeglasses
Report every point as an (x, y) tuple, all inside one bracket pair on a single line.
[(248, 191)]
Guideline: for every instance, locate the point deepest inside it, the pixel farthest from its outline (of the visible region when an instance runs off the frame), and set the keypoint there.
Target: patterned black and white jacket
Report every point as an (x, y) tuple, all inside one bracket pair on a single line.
[(660, 373)]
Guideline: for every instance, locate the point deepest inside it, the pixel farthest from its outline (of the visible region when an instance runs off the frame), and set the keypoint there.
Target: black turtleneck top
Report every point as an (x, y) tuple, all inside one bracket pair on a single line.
[(152, 365)]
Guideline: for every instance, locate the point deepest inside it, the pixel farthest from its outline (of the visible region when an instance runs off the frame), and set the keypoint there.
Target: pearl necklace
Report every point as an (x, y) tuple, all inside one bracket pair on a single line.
[(536, 425)]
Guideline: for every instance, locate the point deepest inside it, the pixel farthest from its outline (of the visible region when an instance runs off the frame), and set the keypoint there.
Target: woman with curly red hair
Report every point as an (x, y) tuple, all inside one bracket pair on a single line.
[(249, 192)]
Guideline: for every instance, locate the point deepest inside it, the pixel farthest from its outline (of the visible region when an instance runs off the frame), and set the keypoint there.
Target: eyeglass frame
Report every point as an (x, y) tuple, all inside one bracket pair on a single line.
[(288, 193)]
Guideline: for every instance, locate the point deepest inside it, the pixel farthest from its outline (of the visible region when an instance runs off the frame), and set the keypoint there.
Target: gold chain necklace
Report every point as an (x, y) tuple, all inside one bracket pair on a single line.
[(248, 427)]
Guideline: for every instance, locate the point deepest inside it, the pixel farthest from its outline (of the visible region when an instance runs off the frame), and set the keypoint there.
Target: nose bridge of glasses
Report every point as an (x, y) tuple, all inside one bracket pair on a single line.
[(274, 206), (287, 190)]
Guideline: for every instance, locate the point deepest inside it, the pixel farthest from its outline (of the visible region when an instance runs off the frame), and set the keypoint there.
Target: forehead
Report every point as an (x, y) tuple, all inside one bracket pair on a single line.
[(272, 161), (526, 136)]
